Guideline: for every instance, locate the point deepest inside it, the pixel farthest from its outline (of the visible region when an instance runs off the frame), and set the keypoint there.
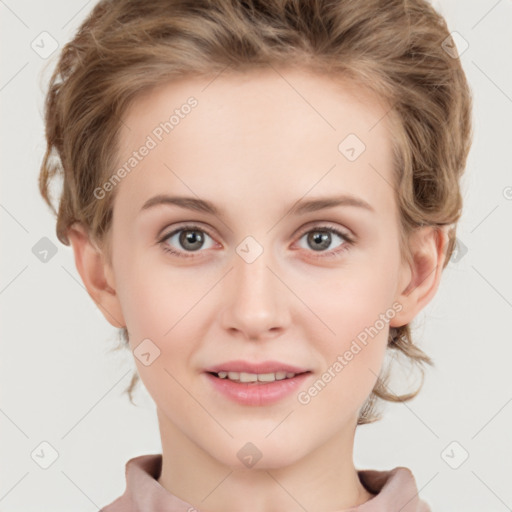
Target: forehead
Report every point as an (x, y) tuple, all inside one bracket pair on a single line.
[(258, 132)]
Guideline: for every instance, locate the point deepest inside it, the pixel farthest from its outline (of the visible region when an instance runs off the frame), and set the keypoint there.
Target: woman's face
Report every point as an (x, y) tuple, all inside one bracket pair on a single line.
[(274, 194)]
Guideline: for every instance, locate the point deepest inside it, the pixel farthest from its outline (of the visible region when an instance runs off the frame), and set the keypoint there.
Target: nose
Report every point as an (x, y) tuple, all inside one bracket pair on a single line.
[(255, 300)]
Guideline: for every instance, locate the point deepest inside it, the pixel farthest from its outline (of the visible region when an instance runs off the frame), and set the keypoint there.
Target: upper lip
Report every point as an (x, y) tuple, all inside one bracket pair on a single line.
[(259, 368)]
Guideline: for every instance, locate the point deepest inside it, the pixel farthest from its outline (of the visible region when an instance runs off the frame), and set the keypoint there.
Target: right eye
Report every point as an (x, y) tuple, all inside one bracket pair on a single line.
[(191, 238)]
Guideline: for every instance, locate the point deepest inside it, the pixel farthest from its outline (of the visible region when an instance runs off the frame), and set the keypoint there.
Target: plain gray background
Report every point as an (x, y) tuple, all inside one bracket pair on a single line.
[(61, 385)]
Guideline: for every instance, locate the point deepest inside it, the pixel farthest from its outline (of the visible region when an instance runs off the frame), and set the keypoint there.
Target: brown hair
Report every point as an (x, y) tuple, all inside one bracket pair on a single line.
[(394, 48)]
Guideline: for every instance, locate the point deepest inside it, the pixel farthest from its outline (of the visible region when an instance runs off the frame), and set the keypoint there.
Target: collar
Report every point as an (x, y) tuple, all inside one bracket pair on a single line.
[(395, 490)]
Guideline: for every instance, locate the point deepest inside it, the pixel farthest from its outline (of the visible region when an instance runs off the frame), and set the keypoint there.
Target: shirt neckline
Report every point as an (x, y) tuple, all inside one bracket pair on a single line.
[(395, 489)]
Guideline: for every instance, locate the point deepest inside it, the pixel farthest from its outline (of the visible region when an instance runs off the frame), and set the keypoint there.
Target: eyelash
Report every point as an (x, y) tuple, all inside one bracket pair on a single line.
[(349, 241)]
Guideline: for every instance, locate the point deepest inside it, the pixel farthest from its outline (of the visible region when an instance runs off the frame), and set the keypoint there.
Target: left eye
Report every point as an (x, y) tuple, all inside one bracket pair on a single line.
[(320, 238)]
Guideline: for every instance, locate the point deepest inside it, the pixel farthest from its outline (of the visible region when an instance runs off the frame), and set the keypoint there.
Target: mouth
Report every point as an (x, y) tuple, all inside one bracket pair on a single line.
[(255, 378), (256, 384)]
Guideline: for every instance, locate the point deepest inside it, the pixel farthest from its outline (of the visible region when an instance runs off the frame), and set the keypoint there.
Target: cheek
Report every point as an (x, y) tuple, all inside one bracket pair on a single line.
[(352, 363), (150, 309), (349, 301), (164, 308), (152, 301), (158, 327), (355, 310)]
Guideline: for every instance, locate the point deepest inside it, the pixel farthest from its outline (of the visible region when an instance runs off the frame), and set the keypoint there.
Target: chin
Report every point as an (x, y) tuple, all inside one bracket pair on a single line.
[(258, 452)]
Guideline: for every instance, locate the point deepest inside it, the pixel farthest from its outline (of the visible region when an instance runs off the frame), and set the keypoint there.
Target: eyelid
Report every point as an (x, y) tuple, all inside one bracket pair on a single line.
[(326, 225), (179, 226), (318, 224)]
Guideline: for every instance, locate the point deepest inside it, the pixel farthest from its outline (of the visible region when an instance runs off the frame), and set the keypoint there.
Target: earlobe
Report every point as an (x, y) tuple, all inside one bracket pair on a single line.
[(423, 274), (96, 274)]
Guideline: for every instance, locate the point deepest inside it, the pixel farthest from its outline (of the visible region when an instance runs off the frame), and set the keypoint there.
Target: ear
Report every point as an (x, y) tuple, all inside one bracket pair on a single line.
[(97, 275), (419, 279)]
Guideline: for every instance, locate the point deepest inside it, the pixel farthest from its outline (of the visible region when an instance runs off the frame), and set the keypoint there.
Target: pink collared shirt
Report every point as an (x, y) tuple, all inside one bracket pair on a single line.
[(395, 490)]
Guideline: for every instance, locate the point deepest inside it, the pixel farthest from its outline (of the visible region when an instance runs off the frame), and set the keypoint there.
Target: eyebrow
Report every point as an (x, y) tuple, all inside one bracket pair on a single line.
[(302, 207)]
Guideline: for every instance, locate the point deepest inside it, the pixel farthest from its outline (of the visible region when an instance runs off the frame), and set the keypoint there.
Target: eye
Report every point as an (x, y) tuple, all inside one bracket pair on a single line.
[(190, 238), (321, 237)]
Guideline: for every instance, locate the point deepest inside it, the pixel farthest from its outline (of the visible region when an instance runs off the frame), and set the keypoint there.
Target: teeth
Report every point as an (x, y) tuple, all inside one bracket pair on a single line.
[(248, 377), (253, 377), (266, 377)]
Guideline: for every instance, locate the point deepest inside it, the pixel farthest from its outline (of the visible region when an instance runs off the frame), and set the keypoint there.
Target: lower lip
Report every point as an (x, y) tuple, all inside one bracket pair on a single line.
[(257, 393)]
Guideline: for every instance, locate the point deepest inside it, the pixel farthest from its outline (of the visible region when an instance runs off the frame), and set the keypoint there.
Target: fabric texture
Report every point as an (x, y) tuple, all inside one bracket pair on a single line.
[(395, 490)]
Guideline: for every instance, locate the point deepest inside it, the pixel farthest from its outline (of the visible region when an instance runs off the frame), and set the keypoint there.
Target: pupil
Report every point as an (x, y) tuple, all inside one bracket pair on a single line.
[(191, 237), (318, 237)]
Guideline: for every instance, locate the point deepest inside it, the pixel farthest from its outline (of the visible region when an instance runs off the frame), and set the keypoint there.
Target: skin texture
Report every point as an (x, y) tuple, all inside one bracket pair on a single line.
[(255, 145)]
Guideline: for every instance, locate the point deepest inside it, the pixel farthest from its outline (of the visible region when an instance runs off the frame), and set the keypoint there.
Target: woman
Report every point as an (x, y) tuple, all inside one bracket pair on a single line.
[(262, 197)]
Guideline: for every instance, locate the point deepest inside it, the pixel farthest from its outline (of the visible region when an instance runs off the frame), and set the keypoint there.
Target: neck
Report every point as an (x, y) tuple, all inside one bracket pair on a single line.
[(325, 479)]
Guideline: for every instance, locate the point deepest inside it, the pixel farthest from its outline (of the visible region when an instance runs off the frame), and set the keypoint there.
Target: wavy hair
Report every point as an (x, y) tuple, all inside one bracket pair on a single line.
[(394, 48)]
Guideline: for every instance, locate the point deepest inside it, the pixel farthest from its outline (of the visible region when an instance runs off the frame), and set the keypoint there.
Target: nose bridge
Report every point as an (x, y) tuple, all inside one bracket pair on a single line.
[(255, 284), (256, 303)]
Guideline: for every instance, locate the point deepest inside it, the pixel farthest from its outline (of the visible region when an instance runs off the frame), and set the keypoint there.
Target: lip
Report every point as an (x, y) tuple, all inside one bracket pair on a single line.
[(248, 367), (257, 393)]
